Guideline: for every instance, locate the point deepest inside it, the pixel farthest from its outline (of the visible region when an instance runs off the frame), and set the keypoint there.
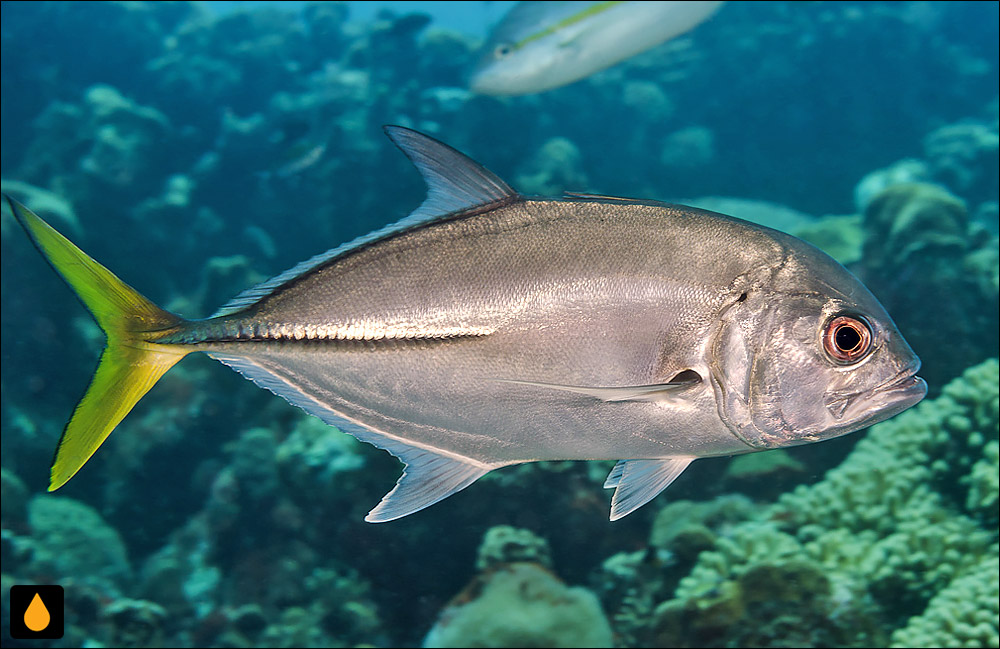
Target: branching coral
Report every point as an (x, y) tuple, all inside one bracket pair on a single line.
[(962, 615)]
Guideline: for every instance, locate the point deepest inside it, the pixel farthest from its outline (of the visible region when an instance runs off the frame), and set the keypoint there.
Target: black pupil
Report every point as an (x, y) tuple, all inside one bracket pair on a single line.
[(847, 338)]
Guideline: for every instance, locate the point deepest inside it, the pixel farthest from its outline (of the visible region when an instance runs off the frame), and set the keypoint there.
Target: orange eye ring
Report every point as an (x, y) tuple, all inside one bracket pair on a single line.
[(847, 339)]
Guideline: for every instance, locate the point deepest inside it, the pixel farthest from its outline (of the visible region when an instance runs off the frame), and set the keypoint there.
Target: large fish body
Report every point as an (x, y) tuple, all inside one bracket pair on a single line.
[(543, 45), (489, 329)]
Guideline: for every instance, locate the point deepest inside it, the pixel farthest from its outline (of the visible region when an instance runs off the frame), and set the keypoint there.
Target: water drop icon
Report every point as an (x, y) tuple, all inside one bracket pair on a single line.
[(36, 617)]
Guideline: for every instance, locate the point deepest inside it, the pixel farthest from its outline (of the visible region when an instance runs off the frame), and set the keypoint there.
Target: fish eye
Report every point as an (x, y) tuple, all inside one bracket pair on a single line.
[(502, 51), (847, 339)]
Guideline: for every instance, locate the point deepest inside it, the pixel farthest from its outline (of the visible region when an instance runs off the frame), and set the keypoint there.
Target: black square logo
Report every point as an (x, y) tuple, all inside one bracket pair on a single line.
[(36, 612)]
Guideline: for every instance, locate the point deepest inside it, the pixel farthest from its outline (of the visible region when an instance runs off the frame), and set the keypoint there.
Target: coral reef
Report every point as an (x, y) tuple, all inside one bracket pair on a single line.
[(555, 168), (951, 621), (903, 172), (506, 544), (841, 237), (517, 602), (773, 215), (71, 538), (632, 584), (522, 605), (135, 623), (964, 157), (198, 151), (688, 151)]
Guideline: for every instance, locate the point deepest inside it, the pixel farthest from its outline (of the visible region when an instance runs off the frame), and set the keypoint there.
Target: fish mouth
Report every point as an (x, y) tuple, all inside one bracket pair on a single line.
[(862, 409), (906, 388), (904, 385), (892, 397)]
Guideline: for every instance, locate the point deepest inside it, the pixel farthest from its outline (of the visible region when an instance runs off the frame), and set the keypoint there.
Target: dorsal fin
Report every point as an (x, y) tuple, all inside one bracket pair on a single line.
[(604, 197), (455, 183)]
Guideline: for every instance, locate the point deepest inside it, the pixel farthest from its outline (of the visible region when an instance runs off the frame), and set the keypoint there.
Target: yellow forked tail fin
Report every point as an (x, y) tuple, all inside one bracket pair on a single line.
[(130, 364)]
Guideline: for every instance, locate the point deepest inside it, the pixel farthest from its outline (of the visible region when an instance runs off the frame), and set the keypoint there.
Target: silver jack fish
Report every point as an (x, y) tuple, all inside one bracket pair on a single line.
[(488, 329), (543, 45)]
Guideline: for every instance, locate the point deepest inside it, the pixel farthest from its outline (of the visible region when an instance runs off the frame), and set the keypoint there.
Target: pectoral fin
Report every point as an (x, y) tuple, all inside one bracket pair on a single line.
[(653, 392), (636, 482), (427, 478)]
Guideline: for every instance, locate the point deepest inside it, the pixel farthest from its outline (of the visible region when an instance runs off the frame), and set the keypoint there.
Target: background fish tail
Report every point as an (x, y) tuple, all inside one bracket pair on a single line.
[(130, 364)]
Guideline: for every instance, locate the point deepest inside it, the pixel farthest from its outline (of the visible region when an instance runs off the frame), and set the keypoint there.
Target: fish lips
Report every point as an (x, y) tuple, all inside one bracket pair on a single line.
[(886, 400)]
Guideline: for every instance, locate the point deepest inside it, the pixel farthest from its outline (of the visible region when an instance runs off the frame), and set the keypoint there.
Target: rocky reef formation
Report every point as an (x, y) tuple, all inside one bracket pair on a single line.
[(517, 601)]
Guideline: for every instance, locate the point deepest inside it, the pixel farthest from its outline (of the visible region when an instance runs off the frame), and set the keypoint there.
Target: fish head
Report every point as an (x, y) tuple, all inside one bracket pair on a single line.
[(812, 356), (536, 47), (516, 67)]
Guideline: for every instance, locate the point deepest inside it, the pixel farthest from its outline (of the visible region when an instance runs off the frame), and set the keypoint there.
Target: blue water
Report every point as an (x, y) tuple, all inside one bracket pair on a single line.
[(197, 150)]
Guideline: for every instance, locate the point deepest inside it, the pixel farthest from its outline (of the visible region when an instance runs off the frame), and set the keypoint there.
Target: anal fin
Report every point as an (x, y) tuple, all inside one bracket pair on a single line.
[(427, 478), (636, 482)]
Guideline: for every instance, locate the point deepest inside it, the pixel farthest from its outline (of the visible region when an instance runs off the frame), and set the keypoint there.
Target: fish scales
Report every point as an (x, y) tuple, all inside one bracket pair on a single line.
[(579, 313), (468, 273)]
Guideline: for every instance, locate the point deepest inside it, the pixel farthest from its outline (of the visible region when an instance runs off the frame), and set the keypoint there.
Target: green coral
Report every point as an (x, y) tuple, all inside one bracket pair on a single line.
[(135, 623), (761, 587), (556, 167), (516, 601), (984, 264), (841, 237), (506, 544), (522, 605), (964, 614), (335, 610), (984, 483), (631, 584), (766, 474), (912, 219), (319, 462), (924, 456), (72, 539)]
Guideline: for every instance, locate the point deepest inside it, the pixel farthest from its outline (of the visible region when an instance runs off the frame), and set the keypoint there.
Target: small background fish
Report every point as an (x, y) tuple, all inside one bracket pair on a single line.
[(543, 45), (219, 514)]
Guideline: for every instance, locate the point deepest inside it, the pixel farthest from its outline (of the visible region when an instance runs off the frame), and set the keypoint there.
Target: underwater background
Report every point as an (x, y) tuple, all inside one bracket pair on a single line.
[(197, 149)]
